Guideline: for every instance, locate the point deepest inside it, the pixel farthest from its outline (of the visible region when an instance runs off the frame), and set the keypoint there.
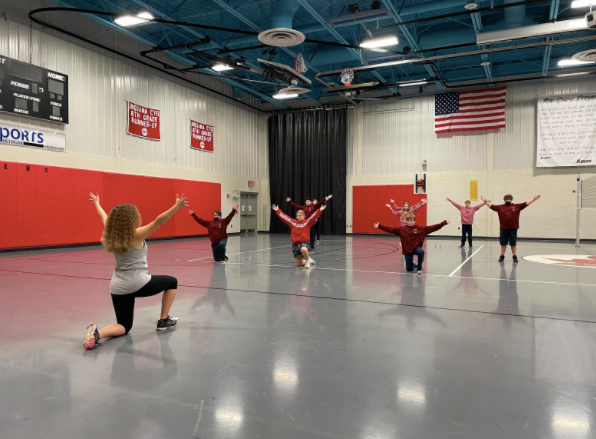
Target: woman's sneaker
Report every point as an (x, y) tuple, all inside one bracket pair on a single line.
[(91, 338), (312, 261), (167, 323)]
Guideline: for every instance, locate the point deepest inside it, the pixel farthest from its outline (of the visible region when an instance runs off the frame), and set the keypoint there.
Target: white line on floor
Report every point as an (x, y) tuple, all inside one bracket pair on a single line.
[(239, 253), (464, 262), (194, 434)]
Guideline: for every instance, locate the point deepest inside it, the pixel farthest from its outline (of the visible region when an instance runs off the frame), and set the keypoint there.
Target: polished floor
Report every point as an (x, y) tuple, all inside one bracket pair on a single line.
[(354, 348)]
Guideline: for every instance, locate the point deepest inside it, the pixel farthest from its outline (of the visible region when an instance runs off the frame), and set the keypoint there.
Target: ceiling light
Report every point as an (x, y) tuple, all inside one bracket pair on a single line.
[(485, 63), (221, 67), (471, 6), (132, 20), (583, 3), (285, 96), (574, 74), (572, 62), (412, 84), (383, 41)]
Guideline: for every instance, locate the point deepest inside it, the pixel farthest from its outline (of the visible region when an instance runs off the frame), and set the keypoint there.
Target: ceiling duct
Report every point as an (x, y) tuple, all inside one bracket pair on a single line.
[(281, 33), (538, 30), (359, 17)]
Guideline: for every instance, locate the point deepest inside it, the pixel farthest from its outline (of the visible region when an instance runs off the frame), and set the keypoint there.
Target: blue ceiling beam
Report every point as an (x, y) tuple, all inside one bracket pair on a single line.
[(338, 37), (554, 12), (488, 70), (256, 28), (409, 37)]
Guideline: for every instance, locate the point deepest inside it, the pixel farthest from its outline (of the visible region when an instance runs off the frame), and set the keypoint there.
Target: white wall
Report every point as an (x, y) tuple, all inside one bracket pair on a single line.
[(100, 85), (389, 140)]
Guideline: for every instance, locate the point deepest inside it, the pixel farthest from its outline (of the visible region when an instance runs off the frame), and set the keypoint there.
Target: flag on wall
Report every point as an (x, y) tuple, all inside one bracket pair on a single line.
[(473, 110)]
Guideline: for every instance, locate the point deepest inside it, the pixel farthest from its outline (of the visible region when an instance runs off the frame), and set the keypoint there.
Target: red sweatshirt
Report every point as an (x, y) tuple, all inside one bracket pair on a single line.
[(217, 229), (412, 236), (509, 215), (300, 229), (308, 210)]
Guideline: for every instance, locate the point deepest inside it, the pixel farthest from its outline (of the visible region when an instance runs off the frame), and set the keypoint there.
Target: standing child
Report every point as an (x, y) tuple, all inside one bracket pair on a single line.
[(217, 229), (412, 238), (300, 234), (467, 219), (309, 209), (508, 222), (403, 212), (124, 236)]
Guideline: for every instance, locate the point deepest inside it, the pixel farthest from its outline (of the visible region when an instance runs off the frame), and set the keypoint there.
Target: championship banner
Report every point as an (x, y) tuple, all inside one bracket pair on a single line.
[(566, 131), (201, 136), (143, 122), (32, 138)]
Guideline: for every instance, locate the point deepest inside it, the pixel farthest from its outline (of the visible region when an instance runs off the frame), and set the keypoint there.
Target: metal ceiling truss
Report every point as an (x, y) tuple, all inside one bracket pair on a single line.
[(409, 37), (200, 35), (249, 23), (152, 43), (355, 52)]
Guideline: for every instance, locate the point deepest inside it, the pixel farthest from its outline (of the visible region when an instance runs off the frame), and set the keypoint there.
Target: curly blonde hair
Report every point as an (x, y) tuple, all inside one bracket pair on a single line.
[(119, 231)]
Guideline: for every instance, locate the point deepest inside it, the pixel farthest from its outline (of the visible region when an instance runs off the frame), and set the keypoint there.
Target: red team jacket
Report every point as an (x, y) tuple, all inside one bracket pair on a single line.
[(412, 236), (509, 215), (308, 210), (217, 229), (300, 229)]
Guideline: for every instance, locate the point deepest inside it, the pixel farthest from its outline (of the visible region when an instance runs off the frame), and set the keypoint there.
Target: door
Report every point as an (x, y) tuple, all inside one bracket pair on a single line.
[(248, 212)]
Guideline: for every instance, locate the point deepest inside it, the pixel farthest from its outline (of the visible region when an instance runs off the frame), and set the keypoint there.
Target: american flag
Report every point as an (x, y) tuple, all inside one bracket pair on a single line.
[(473, 110)]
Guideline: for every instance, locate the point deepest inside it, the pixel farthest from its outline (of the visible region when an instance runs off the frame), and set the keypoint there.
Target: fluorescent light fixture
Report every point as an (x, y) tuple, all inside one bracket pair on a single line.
[(583, 3), (578, 23), (471, 6), (221, 67), (572, 63), (382, 41), (574, 74), (412, 84), (132, 20), (285, 96)]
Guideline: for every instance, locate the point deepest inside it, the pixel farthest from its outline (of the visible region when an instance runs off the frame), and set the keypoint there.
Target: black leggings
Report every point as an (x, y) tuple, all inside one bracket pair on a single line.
[(124, 304)]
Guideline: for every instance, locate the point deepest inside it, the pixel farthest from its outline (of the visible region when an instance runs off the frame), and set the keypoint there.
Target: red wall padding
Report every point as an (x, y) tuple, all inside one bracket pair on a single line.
[(369, 206), (47, 205)]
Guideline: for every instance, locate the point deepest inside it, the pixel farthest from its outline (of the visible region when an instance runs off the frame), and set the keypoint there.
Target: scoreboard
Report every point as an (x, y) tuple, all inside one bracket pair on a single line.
[(33, 91)]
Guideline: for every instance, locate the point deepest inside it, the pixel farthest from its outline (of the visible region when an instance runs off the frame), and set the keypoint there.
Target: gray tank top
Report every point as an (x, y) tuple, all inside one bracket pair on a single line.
[(130, 272)]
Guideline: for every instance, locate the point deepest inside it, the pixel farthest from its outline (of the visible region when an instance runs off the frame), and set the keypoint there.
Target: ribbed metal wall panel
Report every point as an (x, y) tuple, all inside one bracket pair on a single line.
[(515, 146), (101, 83), (399, 134), (263, 146), (353, 138)]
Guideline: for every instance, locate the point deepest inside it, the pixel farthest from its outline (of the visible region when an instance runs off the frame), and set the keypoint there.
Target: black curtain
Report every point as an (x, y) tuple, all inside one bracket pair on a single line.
[(307, 158)]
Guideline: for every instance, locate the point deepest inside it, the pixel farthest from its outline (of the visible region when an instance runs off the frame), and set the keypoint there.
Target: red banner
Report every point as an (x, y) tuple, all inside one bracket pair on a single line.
[(143, 122), (201, 136)]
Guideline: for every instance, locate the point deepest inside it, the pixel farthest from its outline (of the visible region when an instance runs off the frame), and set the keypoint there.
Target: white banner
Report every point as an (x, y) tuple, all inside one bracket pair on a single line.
[(32, 138), (566, 131)]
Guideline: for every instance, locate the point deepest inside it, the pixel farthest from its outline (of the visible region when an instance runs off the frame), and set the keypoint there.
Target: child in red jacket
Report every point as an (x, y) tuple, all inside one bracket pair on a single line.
[(300, 228), (508, 222), (412, 238), (309, 209), (217, 232)]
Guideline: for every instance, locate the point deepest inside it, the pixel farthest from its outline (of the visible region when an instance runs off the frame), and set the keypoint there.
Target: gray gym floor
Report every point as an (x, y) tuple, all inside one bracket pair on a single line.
[(353, 348)]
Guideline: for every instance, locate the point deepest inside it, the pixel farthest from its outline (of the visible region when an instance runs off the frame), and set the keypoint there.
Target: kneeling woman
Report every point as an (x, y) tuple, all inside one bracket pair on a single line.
[(124, 236)]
